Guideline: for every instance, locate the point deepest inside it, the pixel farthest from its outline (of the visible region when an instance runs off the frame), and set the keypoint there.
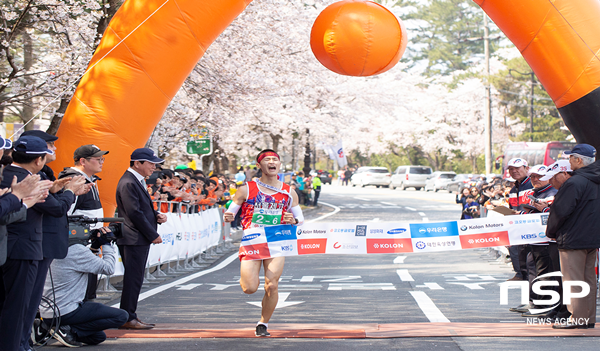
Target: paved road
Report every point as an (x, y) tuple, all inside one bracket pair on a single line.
[(363, 289)]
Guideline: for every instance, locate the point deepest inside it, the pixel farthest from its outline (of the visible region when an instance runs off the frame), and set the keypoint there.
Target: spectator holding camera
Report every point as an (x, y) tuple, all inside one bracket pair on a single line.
[(89, 160), (80, 321)]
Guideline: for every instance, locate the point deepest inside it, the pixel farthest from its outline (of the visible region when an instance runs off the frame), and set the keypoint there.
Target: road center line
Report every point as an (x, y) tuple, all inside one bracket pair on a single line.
[(399, 259), (410, 208), (422, 214), (428, 307), (404, 275), (388, 203), (361, 198)]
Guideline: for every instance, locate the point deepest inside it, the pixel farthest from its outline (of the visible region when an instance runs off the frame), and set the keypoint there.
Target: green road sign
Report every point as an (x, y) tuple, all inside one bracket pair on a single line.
[(200, 146)]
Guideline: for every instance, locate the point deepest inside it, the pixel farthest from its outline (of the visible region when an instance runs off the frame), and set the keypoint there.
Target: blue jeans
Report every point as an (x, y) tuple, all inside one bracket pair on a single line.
[(89, 320)]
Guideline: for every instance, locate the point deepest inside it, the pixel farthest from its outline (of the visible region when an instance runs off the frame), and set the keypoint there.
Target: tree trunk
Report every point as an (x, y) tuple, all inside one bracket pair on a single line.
[(58, 116), (27, 113)]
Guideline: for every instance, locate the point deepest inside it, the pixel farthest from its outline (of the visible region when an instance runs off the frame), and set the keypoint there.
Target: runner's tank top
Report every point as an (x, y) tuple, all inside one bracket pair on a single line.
[(261, 209)]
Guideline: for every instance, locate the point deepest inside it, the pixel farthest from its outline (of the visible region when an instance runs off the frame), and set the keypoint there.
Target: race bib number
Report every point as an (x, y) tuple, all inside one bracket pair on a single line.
[(266, 217)]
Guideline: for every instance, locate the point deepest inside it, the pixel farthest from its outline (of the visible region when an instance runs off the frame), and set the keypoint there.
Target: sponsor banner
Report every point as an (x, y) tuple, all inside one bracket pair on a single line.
[(255, 252), (387, 245), (429, 230), (474, 241), (283, 248), (374, 238), (437, 243), (312, 246)]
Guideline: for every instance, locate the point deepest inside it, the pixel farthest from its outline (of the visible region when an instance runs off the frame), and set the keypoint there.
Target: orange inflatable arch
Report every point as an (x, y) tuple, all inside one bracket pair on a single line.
[(151, 46)]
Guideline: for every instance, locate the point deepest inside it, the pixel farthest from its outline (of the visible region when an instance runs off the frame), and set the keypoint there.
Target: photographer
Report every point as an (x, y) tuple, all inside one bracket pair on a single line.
[(81, 321), (89, 160), (471, 208)]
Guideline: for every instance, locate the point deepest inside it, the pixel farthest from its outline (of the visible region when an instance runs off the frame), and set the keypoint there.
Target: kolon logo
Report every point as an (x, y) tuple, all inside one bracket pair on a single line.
[(543, 288)]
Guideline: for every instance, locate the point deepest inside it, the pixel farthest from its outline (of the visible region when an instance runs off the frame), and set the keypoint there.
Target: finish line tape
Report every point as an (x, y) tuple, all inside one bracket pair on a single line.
[(343, 238)]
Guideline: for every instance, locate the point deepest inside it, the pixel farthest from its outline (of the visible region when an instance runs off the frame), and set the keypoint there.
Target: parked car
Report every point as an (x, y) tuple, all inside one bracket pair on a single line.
[(378, 176), (460, 181), (325, 176), (438, 180), (410, 176)]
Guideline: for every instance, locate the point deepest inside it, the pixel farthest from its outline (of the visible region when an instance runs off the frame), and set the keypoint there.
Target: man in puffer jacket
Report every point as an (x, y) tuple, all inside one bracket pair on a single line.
[(574, 223)]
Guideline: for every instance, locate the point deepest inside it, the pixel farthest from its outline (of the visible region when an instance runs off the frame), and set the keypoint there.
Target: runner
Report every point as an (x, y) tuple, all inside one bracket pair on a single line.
[(266, 201)]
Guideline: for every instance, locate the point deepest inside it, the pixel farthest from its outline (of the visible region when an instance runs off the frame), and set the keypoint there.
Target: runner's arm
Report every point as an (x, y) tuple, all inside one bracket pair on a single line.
[(236, 203)]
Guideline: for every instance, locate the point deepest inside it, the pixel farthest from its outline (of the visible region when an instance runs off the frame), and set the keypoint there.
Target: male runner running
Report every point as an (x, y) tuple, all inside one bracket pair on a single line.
[(266, 201)]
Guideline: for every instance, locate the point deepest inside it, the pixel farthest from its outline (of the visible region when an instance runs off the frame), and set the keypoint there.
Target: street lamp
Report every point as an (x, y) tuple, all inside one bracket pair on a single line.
[(532, 74)]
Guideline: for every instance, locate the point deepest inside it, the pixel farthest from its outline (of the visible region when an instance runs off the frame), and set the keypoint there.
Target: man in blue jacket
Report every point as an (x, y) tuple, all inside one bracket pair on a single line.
[(139, 231)]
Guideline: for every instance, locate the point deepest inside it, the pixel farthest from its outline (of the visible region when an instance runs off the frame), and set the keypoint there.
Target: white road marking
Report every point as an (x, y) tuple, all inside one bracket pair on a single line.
[(361, 198), (361, 286), (183, 280), (432, 286), (375, 219), (473, 286), (330, 278), (388, 203), (404, 275), (187, 287), (281, 303), (425, 219), (220, 287), (428, 307), (399, 259), (335, 210), (410, 208), (422, 214)]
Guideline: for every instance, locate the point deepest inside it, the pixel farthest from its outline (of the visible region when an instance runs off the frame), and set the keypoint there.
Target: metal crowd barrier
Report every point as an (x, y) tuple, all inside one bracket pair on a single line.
[(158, 272)]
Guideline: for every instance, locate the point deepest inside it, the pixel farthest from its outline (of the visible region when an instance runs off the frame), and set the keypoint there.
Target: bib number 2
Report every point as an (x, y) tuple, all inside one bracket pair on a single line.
[(265, 219)]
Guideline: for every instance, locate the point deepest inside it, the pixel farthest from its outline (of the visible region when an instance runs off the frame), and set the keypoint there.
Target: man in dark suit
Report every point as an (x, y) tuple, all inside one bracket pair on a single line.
[(55, 227), (139, 231), (24, 249)]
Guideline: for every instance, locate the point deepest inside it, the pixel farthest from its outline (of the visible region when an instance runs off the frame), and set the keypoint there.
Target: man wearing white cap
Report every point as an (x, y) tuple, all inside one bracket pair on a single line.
[(519, 171), (574, 223)]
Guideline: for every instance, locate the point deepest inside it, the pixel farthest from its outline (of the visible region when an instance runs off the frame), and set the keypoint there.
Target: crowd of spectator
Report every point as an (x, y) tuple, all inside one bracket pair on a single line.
[(481, 193)]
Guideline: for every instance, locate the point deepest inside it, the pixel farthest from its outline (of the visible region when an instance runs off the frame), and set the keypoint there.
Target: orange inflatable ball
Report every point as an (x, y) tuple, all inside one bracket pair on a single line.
[(358, 38)]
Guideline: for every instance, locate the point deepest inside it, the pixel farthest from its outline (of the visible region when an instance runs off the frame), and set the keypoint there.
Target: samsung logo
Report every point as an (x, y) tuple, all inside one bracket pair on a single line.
[(396, 231), (250, 237)]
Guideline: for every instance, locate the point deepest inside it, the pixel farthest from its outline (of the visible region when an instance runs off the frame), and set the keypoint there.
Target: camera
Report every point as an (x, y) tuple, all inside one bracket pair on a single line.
[(534, 199), (80, 232)]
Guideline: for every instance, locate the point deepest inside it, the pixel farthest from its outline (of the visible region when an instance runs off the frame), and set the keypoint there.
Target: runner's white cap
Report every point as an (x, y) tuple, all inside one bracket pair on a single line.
[(517, 162), (557, 167), (539, 170)]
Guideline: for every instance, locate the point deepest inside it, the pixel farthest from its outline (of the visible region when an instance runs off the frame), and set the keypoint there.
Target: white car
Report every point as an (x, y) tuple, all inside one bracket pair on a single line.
[(410, 176), (378, 176), (438, 180)]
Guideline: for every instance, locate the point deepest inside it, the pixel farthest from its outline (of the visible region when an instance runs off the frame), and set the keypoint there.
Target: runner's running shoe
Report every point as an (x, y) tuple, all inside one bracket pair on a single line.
[(261, 330)]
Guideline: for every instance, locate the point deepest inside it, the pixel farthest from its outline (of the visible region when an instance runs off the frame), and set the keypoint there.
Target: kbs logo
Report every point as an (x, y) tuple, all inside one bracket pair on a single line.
[(484, 240), (287, 248), (311, 246), (389, 245)]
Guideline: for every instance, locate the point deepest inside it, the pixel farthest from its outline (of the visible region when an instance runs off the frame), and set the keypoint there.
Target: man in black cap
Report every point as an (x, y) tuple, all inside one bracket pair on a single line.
[(89, 160), (24, 249), (140, 230), (55, 226)]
